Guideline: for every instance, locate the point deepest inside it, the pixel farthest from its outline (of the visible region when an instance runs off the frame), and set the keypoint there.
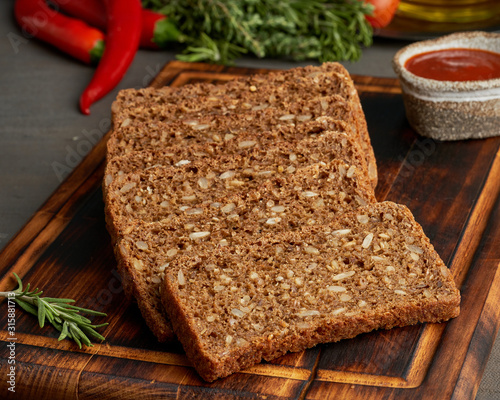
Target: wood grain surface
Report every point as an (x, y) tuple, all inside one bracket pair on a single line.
[(452, 189)]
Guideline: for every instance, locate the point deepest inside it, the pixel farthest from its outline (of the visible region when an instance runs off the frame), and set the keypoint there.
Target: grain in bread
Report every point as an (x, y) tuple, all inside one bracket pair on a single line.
[(313, 194), (261, 296)]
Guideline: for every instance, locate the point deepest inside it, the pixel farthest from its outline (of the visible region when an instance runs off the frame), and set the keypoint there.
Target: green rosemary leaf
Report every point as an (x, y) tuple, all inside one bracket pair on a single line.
[(19, 282), (89, 331), (49, 314), (27, 306), (41, 313), (86, 310), (25, 291), (64, 331), (72, 317), (99, 325), (76, 338), (57, 325), (56, 300), (79, 336), (86, 341)]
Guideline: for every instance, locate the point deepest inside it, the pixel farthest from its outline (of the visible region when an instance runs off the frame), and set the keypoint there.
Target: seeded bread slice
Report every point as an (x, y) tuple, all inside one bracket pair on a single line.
[(233, 131), (289, 122), (314, 194), (277, 87), (318, 146), (158, 192), (142, 109), (264, 295)]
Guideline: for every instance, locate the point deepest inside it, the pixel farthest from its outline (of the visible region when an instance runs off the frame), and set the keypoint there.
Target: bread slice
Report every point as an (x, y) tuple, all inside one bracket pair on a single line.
[(318, 146), (278, 87), (140, 110), (290, 122), (157, 193), (264, 294), (314, 194)]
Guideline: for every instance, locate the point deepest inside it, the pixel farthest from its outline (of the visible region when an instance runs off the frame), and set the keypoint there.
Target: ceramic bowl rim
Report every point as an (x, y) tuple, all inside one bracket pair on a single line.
[(472, 39)]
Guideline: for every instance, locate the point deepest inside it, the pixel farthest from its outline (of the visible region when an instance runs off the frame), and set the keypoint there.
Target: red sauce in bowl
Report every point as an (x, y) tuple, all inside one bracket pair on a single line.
[(457, 64)]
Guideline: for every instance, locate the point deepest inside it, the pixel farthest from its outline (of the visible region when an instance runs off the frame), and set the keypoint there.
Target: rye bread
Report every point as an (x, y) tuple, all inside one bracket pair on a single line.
[(263, 295), (319, 145)]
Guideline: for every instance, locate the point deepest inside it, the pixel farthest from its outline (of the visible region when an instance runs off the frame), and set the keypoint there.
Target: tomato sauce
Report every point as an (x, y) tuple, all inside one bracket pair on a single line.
[(456, 64)]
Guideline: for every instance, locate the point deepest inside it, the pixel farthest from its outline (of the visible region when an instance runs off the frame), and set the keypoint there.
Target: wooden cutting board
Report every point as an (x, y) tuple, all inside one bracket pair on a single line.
[(452, 189)]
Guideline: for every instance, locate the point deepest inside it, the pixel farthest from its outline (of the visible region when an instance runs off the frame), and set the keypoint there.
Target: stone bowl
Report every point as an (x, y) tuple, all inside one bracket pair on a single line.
[(450, 110)]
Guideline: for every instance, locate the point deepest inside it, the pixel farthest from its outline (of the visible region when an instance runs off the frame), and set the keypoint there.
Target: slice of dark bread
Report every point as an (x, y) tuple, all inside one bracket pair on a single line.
[(262, 295), (157, 193), (320, 146), (275, 88), (141, 109), (212, 127), (314, 194), (290, 123)]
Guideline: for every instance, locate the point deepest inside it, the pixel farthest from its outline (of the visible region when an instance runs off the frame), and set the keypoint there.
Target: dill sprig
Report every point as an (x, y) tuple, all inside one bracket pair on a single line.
[(63, 316), (222, 30)]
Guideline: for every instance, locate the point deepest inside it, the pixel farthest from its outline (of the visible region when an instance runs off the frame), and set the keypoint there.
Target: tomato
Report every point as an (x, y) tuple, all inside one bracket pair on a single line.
[(383, 13)]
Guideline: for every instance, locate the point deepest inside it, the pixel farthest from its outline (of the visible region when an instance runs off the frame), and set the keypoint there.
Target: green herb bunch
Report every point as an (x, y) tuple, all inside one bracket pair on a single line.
[(222, 30), (63, 316)]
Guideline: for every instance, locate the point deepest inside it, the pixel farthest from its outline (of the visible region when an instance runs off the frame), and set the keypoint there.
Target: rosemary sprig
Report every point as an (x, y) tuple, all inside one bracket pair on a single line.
[(58, 312), (222, 30)]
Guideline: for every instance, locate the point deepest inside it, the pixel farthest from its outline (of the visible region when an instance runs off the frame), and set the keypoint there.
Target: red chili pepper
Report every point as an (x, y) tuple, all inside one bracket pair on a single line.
[(157, 30), (122, 41), (92, 12), (70, 35)]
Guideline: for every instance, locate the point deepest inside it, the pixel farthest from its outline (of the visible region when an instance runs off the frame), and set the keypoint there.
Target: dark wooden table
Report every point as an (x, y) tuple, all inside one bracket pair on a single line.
[(452, 189)]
